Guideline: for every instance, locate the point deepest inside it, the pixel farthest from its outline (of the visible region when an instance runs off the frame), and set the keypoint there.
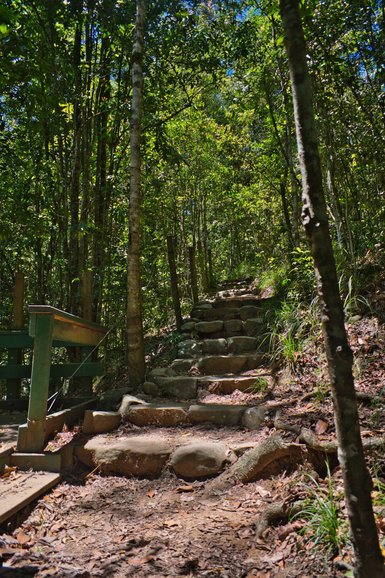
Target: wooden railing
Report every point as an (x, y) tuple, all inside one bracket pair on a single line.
[(49, 327)]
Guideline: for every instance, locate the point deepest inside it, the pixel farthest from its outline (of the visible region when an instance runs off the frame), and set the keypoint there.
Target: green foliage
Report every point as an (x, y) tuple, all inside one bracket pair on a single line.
[(291, 324), (260, 385), (325, 528)]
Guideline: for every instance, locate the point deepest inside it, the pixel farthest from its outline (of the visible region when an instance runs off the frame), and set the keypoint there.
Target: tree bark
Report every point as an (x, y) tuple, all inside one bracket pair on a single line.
[(174, 280), (357, 482), (193, 274), (135, 341)]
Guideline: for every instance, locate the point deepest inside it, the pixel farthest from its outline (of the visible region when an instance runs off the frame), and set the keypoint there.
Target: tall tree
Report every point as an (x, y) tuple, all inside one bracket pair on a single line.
[(369, 561), (135, 341)]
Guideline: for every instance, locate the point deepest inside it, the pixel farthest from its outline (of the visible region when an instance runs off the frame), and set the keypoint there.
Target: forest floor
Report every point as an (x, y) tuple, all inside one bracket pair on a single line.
[(94, 526)]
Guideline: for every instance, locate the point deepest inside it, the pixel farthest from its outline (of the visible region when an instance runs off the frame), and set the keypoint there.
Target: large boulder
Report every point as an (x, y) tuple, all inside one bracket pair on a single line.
[(133, 456), (254, 417), (198, 460)]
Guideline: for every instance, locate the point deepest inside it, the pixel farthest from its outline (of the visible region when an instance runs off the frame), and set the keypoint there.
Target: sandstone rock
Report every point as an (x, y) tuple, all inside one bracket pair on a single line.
[(134, 456), (226, 385), (158, 415), (254, 326), (233, 327), (214, 346), (248, 311), (97, 422), (199, 460), (255, 361), (254, 417), (188, 327), (222, 313), (216, 414), (127, 402), (241, 344), (160, 372), (220, 364), (178, 387), (182, 365), (150, 388), (207, 327), (189, 348), (203, 305)]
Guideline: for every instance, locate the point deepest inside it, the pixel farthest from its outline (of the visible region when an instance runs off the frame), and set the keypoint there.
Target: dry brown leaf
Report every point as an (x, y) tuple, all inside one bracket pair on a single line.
[(170, 523), (185, 489), (22, 538), (151, 493), (321, 427)]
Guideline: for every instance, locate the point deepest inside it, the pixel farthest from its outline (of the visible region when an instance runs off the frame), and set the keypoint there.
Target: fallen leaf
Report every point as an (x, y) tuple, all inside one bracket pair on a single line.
[(321, 427), (170, 523), (185, 489), (151, 493), (22, 538)]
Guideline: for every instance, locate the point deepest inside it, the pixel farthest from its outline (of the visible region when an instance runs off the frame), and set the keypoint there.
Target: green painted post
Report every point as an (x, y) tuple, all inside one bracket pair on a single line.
[(41, 329)]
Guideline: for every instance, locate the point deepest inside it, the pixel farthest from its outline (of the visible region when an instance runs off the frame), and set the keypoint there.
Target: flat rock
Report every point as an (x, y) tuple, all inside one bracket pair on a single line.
[(222, 313), (254, 326), (199, 460), (214, 347), (188, 327), (207, 327), (135, 456), (160, 372), (178, 387), (216, 414), (158, 415), (248, 311), (182, 365), (110, 399), (241, 343), (220, 364), (225, 385), (233, 327), (127, 402), (97, 422)]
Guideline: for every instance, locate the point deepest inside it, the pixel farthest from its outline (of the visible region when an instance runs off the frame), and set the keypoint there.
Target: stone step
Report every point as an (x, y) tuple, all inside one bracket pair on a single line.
[(237, 344), (227, 385), (252, 327), (219, 364), (148, 455)]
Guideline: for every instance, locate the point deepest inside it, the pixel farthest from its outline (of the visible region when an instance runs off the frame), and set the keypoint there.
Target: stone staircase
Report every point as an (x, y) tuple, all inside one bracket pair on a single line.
[(201, 413)]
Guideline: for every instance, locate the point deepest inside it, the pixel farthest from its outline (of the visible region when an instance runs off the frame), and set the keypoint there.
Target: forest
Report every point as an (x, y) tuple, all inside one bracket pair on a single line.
[(162, 150)]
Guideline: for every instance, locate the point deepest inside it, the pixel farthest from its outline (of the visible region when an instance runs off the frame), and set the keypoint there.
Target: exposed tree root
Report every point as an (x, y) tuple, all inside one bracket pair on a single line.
[(278, 512)]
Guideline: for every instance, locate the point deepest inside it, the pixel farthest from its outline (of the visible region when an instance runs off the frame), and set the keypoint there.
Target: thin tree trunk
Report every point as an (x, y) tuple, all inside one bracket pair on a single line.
[(135, 341), (357, 482), (174, 280), (193, 274)]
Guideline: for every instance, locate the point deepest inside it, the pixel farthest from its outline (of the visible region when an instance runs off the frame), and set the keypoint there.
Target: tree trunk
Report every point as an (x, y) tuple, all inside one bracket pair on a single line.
[(193, 274), (174, 280), (369, 561), (135, 341)]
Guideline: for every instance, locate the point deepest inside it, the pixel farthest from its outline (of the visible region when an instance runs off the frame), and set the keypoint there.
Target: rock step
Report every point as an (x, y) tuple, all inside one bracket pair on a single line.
[(209, 313), (227, 385), (147, 456), (251, 327), (174, 414), (237, 344), (219, 364)]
